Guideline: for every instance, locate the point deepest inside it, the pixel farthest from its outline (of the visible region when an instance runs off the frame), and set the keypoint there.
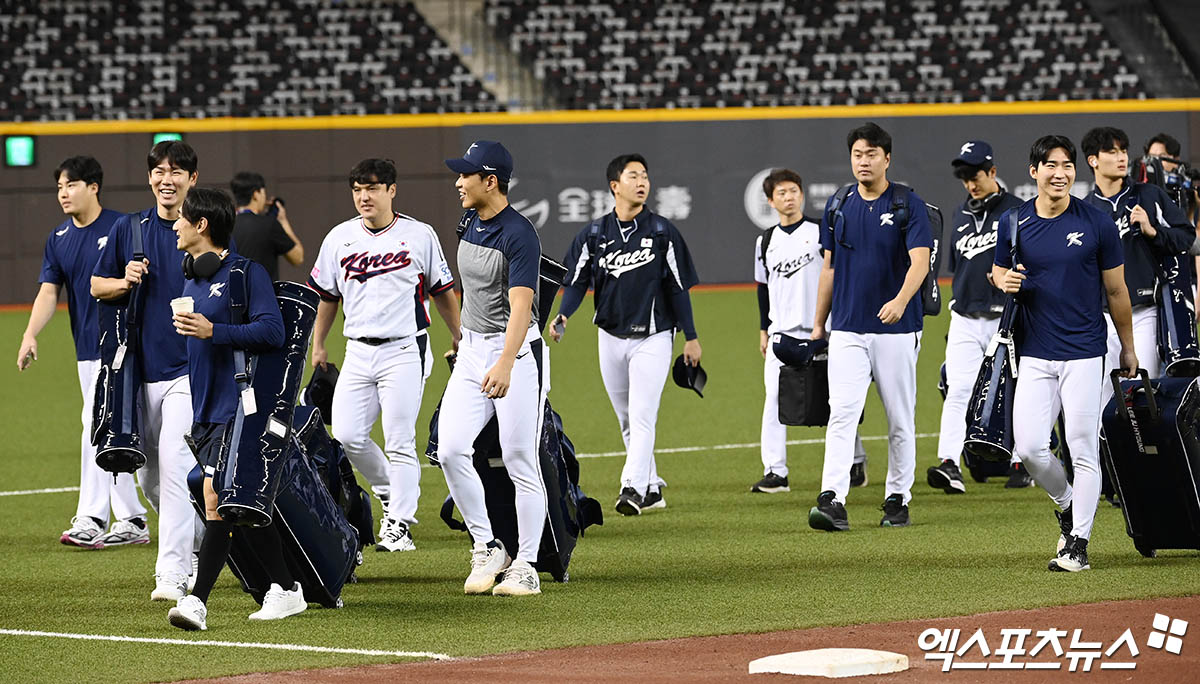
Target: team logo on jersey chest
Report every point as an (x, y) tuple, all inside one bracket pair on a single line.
[(100, 242), (971, 246), (617, 263), (1073, 239), (791, 267), (362, 266)]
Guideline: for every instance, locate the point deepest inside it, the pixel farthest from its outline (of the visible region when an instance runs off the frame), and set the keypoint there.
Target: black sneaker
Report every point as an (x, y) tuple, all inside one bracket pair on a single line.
[(828, 515), (895, 513), (1066, 523), (946, 477), (771, 484), (1018, 477), (1073, 556), (654, 499), (629, 502), (858, 475)]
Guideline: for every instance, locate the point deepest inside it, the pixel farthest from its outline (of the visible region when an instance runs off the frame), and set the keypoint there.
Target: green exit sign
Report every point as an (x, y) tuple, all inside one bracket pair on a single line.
[(19, 151), (159, 137)]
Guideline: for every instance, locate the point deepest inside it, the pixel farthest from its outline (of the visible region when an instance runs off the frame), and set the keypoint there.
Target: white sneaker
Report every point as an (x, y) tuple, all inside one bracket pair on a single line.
[(169, 587), (486, 563), (278, 604), (84, 533), (124, 532), (189, 613), (519, 580), (397, 538)]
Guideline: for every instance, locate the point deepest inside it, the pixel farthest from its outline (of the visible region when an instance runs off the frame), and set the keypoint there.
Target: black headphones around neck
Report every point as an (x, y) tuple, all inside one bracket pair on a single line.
[(984, 204), (203, 267)]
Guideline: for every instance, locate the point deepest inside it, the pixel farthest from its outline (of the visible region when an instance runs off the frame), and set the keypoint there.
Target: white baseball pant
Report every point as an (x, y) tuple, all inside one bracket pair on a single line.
[(1145, 345), (774, 433), (166, 416), (388, 378), (99, 494), (634, 371), (891, 359), (1043, 388), (966, 345), (466, 410)]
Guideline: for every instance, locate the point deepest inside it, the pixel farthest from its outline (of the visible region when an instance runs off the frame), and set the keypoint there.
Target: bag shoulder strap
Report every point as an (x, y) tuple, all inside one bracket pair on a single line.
[(239, 298), (464, 222), (766, 240), (900, 201), (834, 211), (136, 228)]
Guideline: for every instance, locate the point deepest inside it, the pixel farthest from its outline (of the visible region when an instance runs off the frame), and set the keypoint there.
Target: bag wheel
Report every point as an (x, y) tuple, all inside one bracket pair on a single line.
[(1145, 551), (977, 475)]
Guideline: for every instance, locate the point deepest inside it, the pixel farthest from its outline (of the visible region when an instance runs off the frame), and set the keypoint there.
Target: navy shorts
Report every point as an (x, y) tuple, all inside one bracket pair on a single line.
[(208, 439)]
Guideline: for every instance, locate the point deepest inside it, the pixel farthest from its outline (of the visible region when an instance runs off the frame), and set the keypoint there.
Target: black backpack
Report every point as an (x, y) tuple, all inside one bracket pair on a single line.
[(931, 296)]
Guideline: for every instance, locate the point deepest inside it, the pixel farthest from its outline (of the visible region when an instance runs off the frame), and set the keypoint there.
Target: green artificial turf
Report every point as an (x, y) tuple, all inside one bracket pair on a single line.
[(717, 560)]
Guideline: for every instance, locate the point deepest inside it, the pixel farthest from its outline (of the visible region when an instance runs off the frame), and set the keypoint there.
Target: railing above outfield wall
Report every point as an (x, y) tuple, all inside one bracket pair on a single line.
[(705, 164)]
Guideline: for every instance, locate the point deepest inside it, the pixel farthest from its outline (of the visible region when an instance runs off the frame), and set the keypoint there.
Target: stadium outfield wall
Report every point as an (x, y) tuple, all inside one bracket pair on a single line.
[(706, 165)]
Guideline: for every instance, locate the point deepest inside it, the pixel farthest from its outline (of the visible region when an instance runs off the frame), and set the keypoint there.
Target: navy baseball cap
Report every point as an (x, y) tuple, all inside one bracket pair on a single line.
[(974, 153), (793, 352), (484, 155), (688, 376)]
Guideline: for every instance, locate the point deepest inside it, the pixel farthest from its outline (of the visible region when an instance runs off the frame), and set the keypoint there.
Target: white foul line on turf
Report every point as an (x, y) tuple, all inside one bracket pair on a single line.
[(745, 445), (51, 490), (230, 644)]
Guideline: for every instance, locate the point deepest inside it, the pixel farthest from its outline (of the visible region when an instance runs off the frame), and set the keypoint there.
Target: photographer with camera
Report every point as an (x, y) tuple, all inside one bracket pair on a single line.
[(262, 230), (1178, 179)]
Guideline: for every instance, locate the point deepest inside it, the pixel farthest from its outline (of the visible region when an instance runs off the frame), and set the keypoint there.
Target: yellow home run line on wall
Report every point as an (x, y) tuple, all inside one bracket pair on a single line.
[(376, 121)]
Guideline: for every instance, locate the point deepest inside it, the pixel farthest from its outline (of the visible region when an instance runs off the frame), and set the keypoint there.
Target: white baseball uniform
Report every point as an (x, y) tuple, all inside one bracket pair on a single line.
[(791, 273), (383, 279)]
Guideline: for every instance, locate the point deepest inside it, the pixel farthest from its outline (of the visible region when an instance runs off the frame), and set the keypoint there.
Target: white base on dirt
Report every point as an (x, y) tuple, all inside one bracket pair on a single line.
[(831, 662)]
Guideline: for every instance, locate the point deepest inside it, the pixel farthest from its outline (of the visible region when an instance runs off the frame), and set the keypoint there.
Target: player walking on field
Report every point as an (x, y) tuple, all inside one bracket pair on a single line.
[(382, 265), (502, 370), (165, 398), (787, 268), (72, 250), (975, 308), (640, 270), (1070, 262), (874, 324)]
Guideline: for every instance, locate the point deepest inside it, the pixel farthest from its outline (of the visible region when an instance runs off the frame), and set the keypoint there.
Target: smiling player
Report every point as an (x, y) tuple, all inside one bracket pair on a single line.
[(382, 265)]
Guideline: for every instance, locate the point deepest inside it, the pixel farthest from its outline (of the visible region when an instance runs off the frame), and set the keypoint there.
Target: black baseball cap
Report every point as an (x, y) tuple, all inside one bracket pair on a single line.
[(689, 377), (484, 155), (974, 153)]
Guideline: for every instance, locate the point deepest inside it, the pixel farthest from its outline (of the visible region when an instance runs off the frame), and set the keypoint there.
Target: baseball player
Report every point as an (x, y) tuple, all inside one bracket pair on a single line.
[(1145, 241), (1070, 260), (975, 308), (640, 269), (787, 272), (204, 229), (165, 396), (382, 265), (875, 324), (71, 252), (502, 370)]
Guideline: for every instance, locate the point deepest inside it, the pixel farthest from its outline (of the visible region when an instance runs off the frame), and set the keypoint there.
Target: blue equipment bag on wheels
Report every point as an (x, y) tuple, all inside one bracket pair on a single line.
[(569, 511), (1152, 428)]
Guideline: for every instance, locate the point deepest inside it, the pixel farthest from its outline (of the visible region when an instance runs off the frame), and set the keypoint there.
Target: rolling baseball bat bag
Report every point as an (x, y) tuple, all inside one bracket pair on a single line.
[(1152, 428), (1177, 344), (320, 545), (569, 510), (269, 384), (116, 420), (989, 412), (328, 457)]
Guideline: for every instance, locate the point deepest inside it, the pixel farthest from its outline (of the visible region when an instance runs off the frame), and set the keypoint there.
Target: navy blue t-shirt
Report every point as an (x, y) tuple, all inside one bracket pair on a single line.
[(635, 275), (870, 261), (210, 362), (1062, 298), (70, 256), (163, 352)]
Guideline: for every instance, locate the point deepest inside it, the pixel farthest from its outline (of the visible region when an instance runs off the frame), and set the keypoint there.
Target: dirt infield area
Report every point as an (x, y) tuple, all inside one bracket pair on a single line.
[(726, 658)]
